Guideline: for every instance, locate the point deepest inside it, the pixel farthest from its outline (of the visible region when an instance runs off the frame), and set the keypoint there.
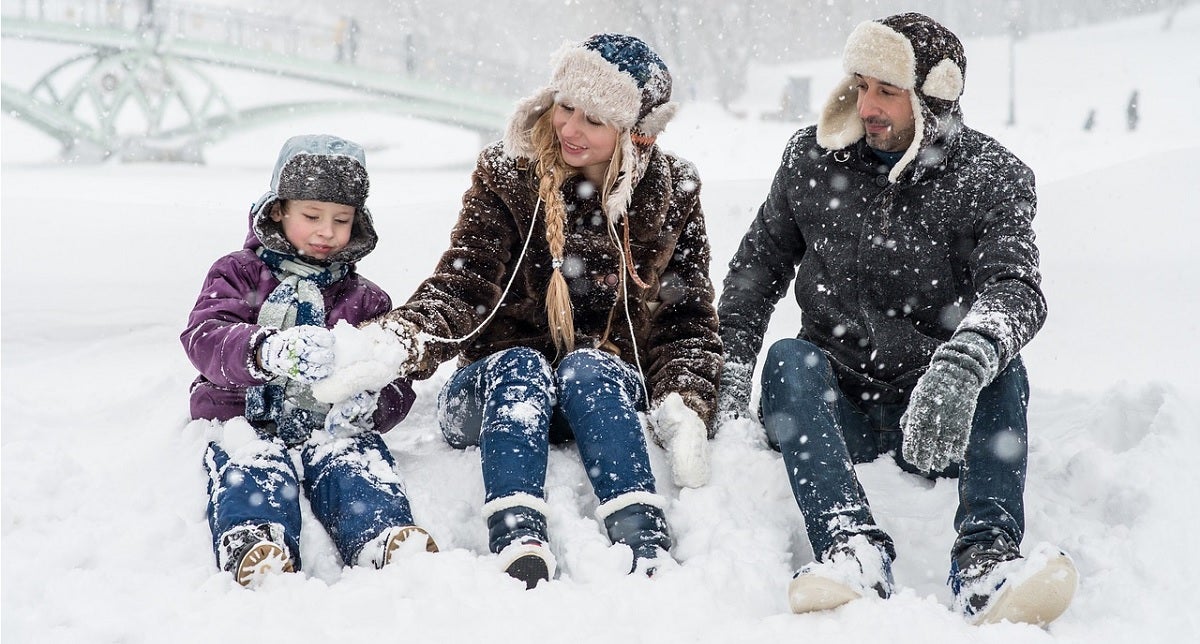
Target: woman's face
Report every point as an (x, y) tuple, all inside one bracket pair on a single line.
[(585, 142)]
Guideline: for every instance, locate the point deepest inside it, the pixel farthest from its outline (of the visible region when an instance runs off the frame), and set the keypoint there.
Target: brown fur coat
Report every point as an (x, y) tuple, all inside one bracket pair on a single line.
[(674, 320)]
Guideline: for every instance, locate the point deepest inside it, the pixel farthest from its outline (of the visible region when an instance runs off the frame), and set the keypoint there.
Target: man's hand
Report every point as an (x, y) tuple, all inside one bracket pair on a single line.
[(941, 409)]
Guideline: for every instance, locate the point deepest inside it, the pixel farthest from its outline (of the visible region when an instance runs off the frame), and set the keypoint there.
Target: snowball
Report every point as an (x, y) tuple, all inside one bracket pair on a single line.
[(365, 359)]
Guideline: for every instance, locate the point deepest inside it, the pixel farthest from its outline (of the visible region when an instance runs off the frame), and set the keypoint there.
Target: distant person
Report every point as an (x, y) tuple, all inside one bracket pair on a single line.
[(575, 294), (258, 335), (1131, 111), (352, 32), (1090, 122), (909, 239)]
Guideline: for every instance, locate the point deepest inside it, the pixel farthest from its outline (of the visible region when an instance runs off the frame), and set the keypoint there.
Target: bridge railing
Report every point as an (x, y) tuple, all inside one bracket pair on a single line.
[(389, 47)]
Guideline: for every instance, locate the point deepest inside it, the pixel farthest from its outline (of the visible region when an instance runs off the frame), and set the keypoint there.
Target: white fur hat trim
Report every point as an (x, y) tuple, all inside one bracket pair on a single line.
[(944, 81), (586, 80), (878, 51)]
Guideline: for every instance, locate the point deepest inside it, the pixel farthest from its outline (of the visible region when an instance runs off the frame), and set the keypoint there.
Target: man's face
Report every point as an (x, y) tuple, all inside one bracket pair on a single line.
[(886, 113)]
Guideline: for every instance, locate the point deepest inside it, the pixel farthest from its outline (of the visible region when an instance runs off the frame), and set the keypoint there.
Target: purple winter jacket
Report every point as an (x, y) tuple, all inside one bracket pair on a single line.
[(222, 334)]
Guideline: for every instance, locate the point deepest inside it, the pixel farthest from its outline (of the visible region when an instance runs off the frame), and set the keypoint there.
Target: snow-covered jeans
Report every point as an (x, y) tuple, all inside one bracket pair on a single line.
[(505, 403), (351, 484), (821, 434)]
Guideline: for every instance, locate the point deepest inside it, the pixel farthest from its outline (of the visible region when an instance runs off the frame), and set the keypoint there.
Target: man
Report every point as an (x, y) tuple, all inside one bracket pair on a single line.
[(909, 237)]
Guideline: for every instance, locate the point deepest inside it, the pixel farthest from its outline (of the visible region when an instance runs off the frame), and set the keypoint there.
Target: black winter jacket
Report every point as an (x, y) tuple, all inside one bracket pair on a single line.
[(886, 272)]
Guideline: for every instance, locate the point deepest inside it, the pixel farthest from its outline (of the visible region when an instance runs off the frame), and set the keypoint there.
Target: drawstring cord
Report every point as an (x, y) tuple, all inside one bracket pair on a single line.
[(627, 268), (512, 278)]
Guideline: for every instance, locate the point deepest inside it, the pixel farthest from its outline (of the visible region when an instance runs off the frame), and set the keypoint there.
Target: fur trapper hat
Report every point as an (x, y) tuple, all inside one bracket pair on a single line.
[(911, 51), (319, 167), (617, 79)]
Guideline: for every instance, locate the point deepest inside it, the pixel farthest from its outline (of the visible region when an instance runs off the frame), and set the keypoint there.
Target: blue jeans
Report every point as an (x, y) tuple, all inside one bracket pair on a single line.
[(513, 404), (821, 434), (347, 482)]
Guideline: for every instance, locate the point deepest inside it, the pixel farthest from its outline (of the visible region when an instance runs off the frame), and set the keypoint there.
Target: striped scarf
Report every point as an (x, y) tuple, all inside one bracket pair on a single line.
[(285, 403)]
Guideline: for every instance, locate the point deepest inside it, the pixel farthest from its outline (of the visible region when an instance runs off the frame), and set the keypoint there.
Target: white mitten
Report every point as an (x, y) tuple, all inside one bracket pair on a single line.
[(685, 436), (352, 416), (367, 358), (302, 353)]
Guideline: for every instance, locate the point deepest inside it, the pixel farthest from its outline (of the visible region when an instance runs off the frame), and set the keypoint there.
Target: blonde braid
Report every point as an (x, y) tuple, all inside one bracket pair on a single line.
[(553, 172)]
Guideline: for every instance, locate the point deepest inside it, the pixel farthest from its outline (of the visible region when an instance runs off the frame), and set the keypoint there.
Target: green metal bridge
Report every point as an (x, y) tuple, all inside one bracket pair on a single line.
[(154, 79)]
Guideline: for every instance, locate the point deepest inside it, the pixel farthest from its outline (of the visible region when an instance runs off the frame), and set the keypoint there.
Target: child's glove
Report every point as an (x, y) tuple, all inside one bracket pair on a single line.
[(681, 431), (941, 409), (352, 416), (302, 353)]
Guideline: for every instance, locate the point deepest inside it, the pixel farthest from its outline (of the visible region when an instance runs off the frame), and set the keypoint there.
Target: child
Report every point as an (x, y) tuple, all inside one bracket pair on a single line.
[(258, 335)]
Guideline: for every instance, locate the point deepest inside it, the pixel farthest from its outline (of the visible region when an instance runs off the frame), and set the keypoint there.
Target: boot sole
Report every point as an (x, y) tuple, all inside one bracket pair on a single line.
[(1039, 600), (812, 593), (529, 568), (263, 559), (401, 536)]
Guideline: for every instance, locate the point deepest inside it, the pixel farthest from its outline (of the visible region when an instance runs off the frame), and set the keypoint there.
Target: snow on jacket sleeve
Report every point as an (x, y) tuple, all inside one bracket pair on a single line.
[(759, 274), (685, 353), (221, 334), (1009, 307)]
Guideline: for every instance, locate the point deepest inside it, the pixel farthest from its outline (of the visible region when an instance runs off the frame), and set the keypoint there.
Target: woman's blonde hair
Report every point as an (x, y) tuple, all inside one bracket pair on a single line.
[(553, 172)]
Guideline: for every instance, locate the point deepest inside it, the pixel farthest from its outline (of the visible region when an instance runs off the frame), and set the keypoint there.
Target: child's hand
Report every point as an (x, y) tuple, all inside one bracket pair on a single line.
[(352, 416), (302, 353)]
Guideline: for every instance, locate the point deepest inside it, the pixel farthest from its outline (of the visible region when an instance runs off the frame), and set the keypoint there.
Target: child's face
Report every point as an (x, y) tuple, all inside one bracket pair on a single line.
[(316, 228)]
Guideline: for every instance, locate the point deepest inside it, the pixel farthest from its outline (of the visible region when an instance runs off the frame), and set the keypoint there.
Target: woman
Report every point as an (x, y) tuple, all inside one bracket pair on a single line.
[(575, 293)]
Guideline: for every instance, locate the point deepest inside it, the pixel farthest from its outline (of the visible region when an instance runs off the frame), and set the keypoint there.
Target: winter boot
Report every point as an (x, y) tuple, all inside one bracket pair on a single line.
[(637, 520), (854, 567), (994, 583), (517, 534), (251, 552), (382, 550)]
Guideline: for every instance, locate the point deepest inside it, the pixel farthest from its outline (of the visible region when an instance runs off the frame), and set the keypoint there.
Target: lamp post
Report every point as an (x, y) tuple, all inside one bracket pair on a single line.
[(1014, 32)]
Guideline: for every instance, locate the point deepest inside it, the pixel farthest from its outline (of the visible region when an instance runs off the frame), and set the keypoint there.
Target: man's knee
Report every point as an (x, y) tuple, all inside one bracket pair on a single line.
[(794, 362)]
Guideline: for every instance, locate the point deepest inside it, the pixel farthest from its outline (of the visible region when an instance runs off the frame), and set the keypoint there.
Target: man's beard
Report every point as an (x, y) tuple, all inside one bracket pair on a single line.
[(892, 140)]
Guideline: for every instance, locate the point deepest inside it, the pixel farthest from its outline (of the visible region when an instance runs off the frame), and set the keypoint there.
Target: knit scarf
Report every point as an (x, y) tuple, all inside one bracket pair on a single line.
[(288, 404)]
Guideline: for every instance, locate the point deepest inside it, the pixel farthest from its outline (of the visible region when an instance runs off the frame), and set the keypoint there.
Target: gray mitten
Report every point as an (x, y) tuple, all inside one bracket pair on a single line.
[(302, 353), (733, 397), (938, 420)]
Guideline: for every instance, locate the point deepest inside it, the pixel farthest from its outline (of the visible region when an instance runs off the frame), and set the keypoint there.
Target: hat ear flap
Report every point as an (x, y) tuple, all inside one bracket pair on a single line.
[(518, 140), (944, 81), (656, 120), (838, 125)]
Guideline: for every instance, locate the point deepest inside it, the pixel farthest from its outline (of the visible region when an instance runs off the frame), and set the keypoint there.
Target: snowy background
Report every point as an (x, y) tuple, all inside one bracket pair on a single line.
[(104, 537)]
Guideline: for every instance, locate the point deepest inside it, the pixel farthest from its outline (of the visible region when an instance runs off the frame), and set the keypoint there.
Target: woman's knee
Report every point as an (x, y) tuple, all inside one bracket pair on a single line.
[(519, 363), (589, 370)]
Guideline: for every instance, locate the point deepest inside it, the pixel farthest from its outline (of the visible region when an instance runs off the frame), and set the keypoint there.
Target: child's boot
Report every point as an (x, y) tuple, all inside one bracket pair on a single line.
[(251, 552), (382, 550)]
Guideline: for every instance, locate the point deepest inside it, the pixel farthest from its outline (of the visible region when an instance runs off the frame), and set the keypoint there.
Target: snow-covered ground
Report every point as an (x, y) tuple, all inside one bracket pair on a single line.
[(104, 537)]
